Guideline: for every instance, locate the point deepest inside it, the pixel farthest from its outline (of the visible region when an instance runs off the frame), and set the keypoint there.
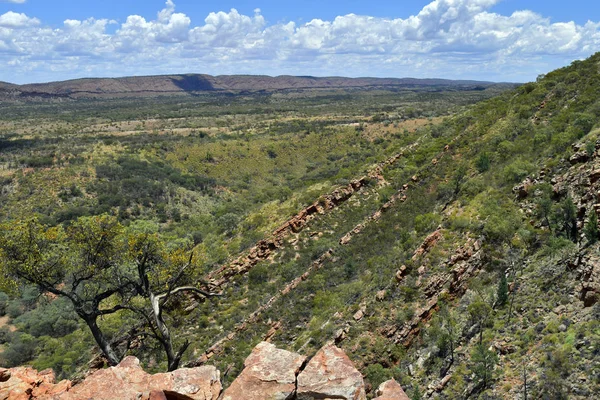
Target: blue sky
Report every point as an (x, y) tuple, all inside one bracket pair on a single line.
[(54, 12), (501, 40)]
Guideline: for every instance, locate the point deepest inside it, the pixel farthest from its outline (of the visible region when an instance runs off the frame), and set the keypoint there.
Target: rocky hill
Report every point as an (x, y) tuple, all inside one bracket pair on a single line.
[(170, 85)]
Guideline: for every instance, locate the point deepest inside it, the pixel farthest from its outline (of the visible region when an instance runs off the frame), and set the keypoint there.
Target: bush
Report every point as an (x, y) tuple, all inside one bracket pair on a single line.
[(21, 350), (426, 223), (3, 303), (376, 375), (517, 171), (55, 319), (15, 308), (483, 163)]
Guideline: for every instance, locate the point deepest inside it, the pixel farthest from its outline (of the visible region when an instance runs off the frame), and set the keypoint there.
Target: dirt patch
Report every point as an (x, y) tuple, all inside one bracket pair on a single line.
[(5, 321)]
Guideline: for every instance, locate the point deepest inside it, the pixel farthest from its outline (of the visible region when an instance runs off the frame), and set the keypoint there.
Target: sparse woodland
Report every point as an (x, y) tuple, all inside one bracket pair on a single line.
[(446, 238)]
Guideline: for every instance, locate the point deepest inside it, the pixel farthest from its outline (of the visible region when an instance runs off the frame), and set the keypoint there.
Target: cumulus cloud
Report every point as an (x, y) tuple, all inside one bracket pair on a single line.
[(14, 20), (447, 38)]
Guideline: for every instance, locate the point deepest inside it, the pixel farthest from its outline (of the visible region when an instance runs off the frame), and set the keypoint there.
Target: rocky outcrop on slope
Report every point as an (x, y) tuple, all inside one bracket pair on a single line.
[(129, 381), (330, 374), (125, 381), (589, 270), (391, 390), (462, 265), (581, 182), (265, 248), (23, 383), (269, 373)]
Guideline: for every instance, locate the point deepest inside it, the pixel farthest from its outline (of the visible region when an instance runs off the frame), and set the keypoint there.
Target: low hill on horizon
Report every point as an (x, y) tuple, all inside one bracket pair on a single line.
[(185, 84)]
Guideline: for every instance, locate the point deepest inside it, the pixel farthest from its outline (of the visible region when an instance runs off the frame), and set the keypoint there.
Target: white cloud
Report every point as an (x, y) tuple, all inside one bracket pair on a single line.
[(14, 1), (447, 38), (14, 20)]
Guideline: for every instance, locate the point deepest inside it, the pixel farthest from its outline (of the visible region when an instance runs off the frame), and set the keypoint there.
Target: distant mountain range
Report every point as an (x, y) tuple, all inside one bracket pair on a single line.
[(168, 85)]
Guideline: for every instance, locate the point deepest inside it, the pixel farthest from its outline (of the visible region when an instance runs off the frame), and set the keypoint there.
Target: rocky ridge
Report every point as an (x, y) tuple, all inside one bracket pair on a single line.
[(269, 373)]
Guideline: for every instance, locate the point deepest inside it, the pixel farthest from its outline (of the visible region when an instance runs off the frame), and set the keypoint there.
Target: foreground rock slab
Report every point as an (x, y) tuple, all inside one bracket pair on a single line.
[(24, 383), (391, 390), (269, 374), (330, 375), (129, 381)]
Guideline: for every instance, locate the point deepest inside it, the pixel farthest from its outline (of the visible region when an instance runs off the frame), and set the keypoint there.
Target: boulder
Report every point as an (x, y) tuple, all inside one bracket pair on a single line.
[(522, 190), (391, 390), (595, 176), (579, 157), (129, 381), (26, 383), (269, 374), (330, 375)]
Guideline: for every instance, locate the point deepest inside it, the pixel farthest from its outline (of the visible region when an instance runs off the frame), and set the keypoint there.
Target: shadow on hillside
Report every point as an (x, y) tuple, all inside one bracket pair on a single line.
[(8, 143), (193, 83)]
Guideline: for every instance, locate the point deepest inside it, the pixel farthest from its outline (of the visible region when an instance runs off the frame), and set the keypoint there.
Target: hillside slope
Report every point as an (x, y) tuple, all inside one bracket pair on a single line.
[(459, 258), (452, 274)]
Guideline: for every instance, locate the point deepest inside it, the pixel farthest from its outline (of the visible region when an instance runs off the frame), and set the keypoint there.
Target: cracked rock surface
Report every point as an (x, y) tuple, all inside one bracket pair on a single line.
[(269, 374), (330, 375)]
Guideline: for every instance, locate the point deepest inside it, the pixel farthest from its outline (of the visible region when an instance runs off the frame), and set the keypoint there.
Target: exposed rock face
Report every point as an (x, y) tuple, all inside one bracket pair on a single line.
[(522, 190), (429, 242), (579, 157), (269, 374), (129, 381), (23, 383), (590, 277), (125, 381), (391, 390), (330, 375)]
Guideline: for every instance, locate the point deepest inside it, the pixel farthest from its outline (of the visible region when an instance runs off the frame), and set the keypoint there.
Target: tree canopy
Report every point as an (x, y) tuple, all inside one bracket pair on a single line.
[(102, 268)]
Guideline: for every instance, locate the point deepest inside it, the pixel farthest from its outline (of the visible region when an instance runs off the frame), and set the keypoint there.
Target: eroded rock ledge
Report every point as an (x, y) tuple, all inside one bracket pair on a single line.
[(269, 373)]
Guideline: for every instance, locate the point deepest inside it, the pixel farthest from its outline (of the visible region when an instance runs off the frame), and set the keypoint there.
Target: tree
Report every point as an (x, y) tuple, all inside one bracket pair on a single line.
[(591, 228), (101, 269), (416, 394), (80, 263), (445, 330), (565, 217), (483, 362), (160, 274), (544, 209), (502, 293), (479, 311)]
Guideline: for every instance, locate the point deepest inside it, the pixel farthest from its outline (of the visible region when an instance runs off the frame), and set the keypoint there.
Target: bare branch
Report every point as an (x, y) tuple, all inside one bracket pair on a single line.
[(194, 289), (176, 279)]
